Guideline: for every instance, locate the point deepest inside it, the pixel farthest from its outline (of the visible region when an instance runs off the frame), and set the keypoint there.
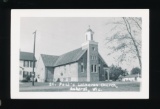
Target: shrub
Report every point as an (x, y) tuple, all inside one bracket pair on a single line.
[(115, 72), (25, 79), (136, 70)]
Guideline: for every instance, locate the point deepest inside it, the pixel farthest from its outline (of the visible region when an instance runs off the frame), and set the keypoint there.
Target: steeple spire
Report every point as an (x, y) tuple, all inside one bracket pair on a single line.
[(89, 29)]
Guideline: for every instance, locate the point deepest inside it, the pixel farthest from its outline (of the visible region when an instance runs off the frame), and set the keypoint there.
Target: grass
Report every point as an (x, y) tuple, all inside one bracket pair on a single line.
[(91, 86)]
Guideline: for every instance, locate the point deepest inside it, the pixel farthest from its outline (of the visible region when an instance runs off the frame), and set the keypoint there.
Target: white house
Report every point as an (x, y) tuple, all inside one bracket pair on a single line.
[(26, 65), (131, 78)]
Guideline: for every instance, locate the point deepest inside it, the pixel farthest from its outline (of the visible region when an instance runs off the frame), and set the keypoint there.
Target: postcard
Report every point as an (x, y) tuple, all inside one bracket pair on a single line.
[(80, 54)]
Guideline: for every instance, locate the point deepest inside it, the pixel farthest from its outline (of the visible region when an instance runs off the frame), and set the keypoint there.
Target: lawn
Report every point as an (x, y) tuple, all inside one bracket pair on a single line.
[(80, 87)]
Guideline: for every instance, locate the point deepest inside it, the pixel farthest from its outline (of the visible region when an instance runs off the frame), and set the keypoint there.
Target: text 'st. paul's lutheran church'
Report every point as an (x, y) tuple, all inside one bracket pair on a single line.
[(80, 65)]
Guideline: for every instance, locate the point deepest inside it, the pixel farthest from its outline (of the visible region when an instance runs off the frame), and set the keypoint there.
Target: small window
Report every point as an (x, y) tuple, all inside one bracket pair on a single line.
[(95, 68), (25, 74), (26, 63), (91, 68), (31, 64), (82, 68), (93, 48)]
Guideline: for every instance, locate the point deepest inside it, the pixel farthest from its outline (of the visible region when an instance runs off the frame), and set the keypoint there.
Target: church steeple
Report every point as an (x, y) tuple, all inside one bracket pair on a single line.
[(92, 56), (88, 39), (89, 34)]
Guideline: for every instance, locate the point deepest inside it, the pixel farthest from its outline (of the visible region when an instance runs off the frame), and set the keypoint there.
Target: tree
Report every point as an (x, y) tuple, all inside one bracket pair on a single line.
[(125, 38), (135, 70), (115, 72)]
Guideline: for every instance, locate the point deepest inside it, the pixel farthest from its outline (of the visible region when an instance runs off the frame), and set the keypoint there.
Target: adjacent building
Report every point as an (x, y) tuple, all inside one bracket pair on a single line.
[(79, 65), (26, 65), (134, 77)]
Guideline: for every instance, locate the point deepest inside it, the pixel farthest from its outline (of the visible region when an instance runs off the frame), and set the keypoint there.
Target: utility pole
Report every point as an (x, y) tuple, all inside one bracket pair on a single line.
[(33, 58)]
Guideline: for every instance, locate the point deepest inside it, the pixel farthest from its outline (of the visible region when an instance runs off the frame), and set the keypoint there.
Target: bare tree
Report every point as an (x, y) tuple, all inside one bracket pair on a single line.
[(124, 37)]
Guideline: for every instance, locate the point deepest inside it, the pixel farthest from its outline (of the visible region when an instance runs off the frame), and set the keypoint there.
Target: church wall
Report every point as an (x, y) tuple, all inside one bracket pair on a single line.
[(82, 76), (68, 72), (49, 74)]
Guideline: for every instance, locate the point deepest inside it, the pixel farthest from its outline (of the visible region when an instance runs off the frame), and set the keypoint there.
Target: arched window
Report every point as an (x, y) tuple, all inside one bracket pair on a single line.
[(95, 69), (82, 68), (93, 48), (91, 68)]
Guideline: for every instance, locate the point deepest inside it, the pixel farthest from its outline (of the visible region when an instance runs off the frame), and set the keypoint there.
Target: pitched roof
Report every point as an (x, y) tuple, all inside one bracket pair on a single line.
[(69, 57), (49, 60), (26, 56)]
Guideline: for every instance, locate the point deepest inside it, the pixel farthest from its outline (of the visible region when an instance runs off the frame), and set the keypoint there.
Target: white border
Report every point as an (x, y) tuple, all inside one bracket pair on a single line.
[(16, 14)]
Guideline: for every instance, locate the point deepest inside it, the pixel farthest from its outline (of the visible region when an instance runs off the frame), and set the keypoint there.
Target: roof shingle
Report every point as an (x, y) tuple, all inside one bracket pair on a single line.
[(49, 60), (26, 56), (69, 57)]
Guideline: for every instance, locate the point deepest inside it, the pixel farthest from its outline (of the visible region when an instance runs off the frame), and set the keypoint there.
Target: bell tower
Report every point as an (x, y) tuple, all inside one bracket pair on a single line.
[(89, 34), (92, 56)]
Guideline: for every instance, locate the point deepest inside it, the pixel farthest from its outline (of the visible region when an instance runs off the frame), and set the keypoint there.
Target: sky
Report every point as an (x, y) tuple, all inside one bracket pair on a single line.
[(58, 35)]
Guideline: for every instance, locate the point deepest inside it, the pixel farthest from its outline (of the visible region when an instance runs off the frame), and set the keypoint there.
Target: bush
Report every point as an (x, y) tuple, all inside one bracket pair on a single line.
[(136, 70), (115, 72), (26, 79)]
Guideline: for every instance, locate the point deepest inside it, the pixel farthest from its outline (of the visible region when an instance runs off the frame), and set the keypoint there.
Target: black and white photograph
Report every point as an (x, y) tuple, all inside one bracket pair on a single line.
[(80, 54)]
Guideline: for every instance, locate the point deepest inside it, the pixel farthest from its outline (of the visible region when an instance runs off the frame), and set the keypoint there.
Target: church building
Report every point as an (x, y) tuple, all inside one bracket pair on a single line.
[(84, 64)]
